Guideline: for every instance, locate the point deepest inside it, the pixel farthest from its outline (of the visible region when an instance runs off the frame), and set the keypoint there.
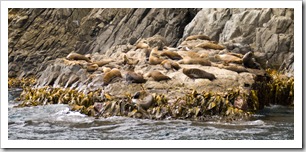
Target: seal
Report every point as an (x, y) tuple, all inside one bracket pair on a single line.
[(233, 67), (195, 73), (204, 55), (154, 57), (88, 56), (77, 56), (172, 55), (195, 37), (142, 45), (193, 54), (158, 76), (167, 64), (249, 62), (153, 60), (91, 67), (129, 61), (106, 69), (143, 102), (228, 58), (133, 77), (210, 45), (109, 76), (201, 61), (103, 62), (236, 54)]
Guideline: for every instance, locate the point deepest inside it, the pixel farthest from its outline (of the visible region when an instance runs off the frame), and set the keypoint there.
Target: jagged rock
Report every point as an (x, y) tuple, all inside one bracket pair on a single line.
[(37, 36), (268, 31), (73, 74)]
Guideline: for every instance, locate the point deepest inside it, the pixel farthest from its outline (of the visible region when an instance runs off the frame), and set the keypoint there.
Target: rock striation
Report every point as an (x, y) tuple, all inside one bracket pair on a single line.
[(38, 36), (212, 61)]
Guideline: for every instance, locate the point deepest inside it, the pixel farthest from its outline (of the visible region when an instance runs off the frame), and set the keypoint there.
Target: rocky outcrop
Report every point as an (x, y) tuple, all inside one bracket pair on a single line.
[(38, 36), (268, 32), (227, 74), (177, 63)]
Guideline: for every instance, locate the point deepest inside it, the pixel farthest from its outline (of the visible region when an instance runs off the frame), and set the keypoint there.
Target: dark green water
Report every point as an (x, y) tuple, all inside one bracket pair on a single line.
[(56, 122)]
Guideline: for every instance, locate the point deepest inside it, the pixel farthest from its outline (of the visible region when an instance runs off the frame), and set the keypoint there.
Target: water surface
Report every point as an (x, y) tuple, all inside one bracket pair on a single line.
[(56, 122)]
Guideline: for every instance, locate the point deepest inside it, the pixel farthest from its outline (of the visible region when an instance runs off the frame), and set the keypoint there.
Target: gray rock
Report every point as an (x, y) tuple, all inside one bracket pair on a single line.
[(38, 36)]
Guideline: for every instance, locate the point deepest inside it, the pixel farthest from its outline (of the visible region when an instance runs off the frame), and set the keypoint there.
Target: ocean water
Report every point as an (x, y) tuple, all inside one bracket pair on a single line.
[(56, 122)]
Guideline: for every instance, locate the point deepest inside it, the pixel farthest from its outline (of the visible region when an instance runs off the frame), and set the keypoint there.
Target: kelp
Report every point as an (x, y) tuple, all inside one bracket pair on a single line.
[(21, 83), (273, 88), (192, 106)]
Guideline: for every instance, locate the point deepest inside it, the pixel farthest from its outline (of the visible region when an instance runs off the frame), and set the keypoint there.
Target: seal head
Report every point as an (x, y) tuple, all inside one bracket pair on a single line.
[(143, 101), (249, 62)]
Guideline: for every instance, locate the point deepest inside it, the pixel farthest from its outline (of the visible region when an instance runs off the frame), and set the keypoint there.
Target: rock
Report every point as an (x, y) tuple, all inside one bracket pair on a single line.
[(212, 19), (273, 35), (38, 36), (40, 39)]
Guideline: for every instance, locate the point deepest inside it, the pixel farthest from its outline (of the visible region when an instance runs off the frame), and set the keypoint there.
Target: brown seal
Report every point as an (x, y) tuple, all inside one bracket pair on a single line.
[(133, 77), (158, 76), (249, 61), (129, 61), (195, 73), (193, 54), (172, 55), (228, 58), (77, 56), (142, 100), (106, 69), (103, 62), (142, 45), (201, 61), (153, 60), (154, 57), (210, 45), (91, 67), (236, 54), (109, 76), (88, 56), (167, 64), (170, 48), (233, 67), (195, 37)]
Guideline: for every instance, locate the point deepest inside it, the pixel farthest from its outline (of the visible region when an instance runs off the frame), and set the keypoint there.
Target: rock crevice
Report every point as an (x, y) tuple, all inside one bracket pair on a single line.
[(39, 36)]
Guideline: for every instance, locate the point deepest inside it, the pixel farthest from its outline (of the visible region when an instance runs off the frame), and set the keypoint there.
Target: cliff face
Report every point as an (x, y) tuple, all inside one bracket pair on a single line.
[(38, 36)]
